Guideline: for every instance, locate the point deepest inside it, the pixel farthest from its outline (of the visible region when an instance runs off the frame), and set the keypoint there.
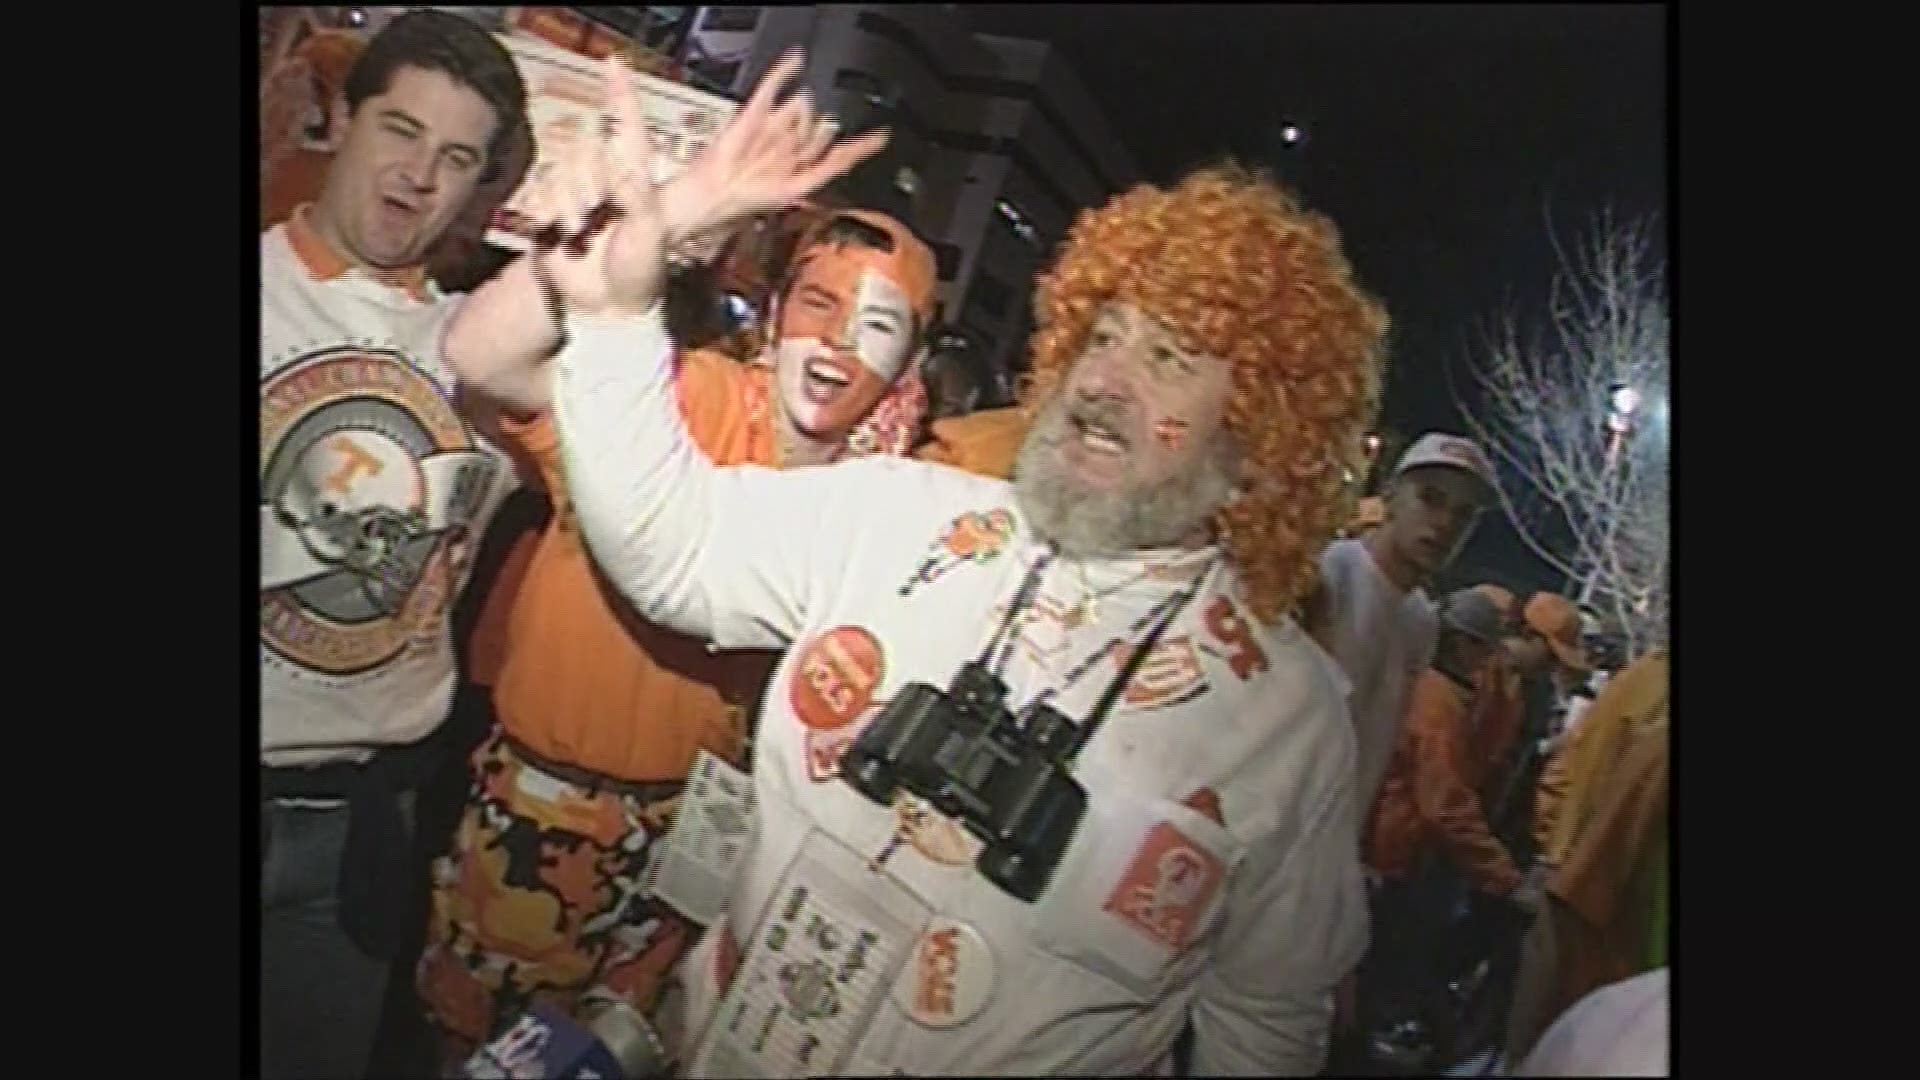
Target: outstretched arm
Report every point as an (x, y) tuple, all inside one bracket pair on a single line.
[(688, 544)]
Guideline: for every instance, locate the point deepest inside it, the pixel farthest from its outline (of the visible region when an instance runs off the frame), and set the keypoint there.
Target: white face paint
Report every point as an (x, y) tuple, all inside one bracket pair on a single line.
[(881, 330), (810, 381), (846, 333)]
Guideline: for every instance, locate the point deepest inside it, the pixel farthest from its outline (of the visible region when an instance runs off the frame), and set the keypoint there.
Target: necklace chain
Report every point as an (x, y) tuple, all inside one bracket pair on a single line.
[(1087, 610)]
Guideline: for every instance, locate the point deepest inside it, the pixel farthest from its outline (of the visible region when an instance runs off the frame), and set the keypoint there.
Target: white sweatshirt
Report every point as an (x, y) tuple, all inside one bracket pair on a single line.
[(374, 492), (881, 572), (1382, 637)]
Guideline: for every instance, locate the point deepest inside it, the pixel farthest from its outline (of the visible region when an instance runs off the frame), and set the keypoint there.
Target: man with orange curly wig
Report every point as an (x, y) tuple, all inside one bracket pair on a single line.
[(1101, 640)]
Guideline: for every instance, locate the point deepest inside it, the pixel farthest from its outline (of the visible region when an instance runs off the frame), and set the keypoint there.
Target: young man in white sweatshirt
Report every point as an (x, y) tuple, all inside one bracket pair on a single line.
[(1379, 622)]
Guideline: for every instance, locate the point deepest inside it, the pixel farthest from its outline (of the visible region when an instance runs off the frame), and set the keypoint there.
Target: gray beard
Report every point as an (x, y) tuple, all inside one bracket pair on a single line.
[(1086, 523)]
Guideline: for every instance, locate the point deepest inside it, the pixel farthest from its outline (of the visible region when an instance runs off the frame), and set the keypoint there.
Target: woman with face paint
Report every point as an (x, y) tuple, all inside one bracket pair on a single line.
[(601, 713)]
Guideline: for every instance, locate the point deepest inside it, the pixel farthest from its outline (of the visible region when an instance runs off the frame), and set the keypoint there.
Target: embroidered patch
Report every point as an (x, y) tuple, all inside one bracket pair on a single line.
[(973, 537)]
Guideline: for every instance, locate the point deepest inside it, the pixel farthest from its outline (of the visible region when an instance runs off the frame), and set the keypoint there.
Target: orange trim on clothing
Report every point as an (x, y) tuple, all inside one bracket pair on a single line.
[(324, 262)]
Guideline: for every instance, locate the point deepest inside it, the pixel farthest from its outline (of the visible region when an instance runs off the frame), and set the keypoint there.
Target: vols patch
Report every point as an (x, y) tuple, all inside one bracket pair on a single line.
[(1167, 887), (836, 678), (950, 977)]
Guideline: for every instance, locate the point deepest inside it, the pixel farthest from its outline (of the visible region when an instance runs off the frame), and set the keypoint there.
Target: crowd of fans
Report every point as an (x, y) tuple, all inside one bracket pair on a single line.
[(1506, 782)]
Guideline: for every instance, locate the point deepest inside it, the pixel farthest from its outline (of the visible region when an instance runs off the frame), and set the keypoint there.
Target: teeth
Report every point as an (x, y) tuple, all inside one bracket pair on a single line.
[(827, 373), (1099, 438)]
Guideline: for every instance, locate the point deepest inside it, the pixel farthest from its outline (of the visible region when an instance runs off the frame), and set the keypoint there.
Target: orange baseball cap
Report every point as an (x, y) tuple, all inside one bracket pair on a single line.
[(1555, 618), (911, 259)]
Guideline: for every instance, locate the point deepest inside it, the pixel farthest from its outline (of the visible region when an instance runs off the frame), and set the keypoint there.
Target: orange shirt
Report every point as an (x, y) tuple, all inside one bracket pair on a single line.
[(584, 680), (487, 648)]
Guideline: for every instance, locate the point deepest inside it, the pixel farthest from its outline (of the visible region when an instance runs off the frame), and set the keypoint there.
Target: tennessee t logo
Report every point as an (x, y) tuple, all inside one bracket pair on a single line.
[(357, 461)]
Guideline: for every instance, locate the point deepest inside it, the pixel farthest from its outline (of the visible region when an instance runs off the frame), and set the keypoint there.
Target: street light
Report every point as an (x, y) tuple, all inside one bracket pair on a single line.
[(1625, 400), (1622, 402)]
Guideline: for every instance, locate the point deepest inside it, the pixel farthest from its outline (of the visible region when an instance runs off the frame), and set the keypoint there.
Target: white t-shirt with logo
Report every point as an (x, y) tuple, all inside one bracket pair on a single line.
[(374, 492), (1382, 637), (882, 572)]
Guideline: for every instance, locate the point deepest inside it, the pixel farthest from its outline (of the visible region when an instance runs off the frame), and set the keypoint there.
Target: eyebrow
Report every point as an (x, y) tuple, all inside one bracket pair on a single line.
[(416, 126), (396, 114)]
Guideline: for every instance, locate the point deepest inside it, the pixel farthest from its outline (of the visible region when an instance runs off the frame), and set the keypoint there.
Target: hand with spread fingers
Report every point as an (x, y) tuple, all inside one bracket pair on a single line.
[(603, 245), (770, 156), (601, 198)]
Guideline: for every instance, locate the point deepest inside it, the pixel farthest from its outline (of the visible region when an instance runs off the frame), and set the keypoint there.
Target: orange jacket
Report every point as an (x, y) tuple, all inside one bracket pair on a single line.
[(1606, 830), (1453, 737), (984, 442), (1610, 787)]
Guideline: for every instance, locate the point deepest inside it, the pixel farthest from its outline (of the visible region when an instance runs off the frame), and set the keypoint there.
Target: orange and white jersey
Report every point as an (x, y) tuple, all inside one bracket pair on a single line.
[(374, 492), (1214, 876)]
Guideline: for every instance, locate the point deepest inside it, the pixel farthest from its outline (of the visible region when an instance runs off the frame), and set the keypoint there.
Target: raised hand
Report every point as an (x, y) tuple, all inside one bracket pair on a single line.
[(603, 244), (770, 156), (608, 223)]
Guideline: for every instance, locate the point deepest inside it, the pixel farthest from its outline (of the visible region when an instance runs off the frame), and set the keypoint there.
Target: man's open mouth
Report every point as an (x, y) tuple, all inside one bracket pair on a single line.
[(1098, 437), (824, 379)]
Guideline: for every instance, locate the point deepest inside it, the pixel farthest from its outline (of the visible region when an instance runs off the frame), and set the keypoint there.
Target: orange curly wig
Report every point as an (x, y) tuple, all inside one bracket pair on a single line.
[(1236, 268)]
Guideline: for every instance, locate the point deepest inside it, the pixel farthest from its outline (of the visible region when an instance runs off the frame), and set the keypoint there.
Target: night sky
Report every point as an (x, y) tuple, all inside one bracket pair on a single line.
[(1437, 138)]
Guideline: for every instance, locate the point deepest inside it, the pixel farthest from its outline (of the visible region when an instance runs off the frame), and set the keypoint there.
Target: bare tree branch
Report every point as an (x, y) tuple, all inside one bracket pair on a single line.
[(1590, 501)]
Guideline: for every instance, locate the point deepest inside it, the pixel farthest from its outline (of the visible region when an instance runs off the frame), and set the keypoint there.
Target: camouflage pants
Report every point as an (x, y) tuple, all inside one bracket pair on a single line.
[(538, 900)]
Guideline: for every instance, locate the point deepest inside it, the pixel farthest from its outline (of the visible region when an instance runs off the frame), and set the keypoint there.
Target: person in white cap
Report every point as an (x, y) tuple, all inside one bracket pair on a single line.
[(1375, 617), (1046, 773)]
